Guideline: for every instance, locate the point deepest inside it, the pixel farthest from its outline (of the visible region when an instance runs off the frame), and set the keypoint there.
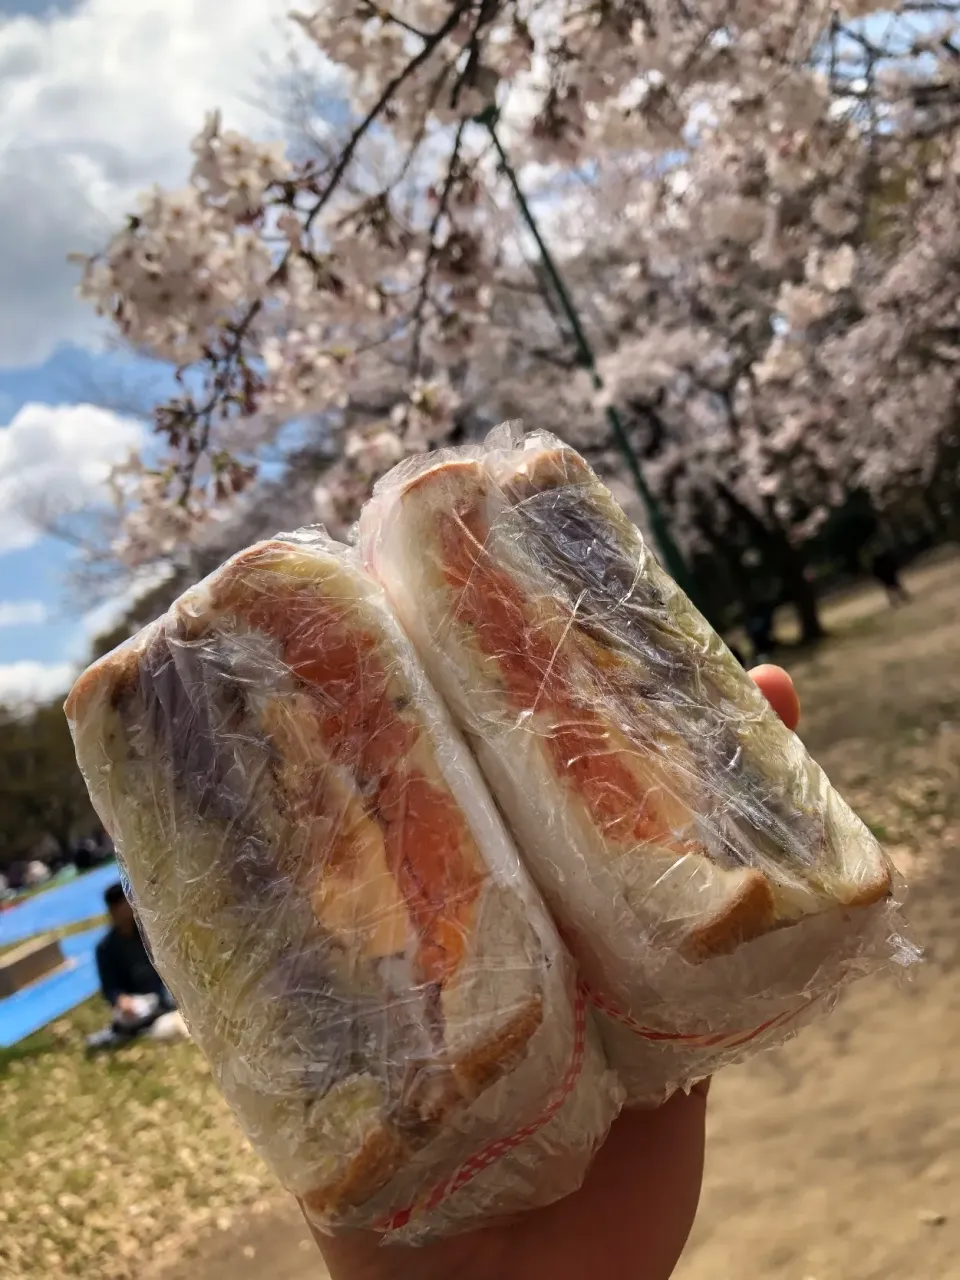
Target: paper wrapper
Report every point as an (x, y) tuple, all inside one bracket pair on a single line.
[(329, 892), (713, 886)]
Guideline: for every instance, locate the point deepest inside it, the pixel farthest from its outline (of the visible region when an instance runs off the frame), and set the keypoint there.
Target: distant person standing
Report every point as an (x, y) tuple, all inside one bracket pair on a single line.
[(759, 628), (85, 855), (886, 570)]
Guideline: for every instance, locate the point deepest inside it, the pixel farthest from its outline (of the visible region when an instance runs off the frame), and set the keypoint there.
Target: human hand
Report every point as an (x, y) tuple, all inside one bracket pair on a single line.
[(126, 1005), (631, 1217)]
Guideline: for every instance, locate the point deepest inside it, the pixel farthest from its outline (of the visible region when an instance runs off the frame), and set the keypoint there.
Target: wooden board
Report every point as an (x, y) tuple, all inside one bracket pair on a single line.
[(26, 964)]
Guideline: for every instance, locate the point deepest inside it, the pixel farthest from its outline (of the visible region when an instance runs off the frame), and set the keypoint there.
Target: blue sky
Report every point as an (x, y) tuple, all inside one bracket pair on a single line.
[(98, 100)]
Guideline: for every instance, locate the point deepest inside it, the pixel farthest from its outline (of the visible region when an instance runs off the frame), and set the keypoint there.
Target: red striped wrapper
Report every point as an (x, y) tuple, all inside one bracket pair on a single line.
[(500, 1147), (689, 1040)]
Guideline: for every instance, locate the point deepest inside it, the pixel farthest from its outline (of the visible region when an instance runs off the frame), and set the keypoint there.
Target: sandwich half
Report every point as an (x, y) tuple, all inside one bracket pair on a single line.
[(329, 893), (679, 831)]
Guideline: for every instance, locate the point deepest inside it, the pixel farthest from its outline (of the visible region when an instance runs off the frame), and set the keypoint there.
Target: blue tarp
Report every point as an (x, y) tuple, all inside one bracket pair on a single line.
[(79, 899), (29, 1010)]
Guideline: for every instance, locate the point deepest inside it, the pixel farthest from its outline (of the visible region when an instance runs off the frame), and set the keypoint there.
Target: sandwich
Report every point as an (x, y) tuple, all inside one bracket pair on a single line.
[(712, 885), (330, 894)]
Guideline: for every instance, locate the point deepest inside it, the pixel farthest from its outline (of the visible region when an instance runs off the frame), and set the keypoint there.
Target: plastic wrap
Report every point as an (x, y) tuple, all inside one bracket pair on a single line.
[(330, 894), (714, 888)]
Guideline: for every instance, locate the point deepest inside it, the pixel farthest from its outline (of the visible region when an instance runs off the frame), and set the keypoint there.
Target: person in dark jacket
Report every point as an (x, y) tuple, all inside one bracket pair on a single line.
[(759, 629), (128, 980)]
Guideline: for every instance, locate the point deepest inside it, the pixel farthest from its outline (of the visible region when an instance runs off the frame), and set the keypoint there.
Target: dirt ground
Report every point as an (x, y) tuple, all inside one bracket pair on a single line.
[(836, 1157), (270, 1243)]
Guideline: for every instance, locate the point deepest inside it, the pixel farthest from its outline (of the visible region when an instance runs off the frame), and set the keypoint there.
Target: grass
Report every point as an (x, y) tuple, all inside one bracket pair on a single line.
[(102, 1159)]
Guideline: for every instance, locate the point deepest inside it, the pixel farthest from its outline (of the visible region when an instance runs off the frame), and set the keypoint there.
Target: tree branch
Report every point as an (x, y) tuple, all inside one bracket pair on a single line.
[(391, 87), (441, 209)]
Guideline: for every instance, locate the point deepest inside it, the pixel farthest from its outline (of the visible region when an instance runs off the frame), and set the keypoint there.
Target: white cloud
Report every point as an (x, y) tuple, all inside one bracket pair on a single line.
[(56, 459), (98, 104), (23, 683), (23, 613)]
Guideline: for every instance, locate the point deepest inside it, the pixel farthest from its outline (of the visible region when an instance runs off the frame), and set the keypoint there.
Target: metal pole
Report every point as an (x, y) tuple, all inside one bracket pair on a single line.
[(673, 560)]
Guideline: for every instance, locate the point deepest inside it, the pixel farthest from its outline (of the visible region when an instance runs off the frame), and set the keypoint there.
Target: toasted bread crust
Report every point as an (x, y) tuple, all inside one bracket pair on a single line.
[(750, 914), (84, 690), (384, 1152), (466, 467), (111, 676), (866, 893), (549, 468), (253, 558), (230, 586), (491, 1060), (379, 1159)]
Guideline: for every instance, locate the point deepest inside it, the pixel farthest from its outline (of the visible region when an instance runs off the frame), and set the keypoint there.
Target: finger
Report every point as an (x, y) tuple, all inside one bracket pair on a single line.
[(777, 687)]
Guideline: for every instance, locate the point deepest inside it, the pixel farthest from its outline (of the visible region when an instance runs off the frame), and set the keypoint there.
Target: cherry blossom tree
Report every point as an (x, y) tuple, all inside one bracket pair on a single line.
[(753, 268), (754, 203)]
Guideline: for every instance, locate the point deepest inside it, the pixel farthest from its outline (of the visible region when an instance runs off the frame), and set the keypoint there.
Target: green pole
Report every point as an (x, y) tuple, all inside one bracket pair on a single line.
[(672, 558)]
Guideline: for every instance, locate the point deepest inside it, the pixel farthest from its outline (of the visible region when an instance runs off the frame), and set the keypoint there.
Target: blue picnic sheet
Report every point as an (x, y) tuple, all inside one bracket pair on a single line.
[(79, 899), (27, 1011)]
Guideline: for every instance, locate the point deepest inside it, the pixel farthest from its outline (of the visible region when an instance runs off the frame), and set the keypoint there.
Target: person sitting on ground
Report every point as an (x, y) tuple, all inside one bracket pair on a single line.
[(128, 980)]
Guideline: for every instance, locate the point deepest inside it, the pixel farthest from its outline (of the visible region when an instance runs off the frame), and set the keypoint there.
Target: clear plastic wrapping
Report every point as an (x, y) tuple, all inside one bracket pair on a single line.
[(330, 894), (714, 888)]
